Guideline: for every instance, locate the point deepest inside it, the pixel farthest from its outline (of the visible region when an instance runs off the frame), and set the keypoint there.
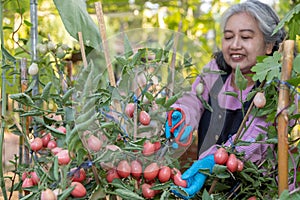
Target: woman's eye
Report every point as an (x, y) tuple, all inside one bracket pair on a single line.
[(228, 38), (246, 37)]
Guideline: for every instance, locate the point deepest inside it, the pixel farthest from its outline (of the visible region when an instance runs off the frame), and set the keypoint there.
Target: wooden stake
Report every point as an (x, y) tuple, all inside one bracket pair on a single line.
[(26, 121), (283, 102), (102, 30), (82, 50)]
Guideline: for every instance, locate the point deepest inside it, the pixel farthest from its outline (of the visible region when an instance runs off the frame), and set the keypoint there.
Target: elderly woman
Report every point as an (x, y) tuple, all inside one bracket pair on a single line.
[(247, 33)]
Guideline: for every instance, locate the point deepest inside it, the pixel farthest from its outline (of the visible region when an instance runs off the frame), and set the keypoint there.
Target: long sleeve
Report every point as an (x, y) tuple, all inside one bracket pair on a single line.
[(194, 109)]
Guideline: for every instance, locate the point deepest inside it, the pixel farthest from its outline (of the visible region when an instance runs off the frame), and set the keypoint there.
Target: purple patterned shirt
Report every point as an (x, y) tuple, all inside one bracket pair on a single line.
[(194, 109)]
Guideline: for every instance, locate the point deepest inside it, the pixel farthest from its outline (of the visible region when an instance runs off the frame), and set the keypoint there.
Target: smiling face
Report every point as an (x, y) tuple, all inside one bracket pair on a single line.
[(243, 42)]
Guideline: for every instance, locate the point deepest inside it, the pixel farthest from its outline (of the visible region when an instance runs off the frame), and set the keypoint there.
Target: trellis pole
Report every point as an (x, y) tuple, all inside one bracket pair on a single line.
[(102, 30), (3, 108), (283, 103)]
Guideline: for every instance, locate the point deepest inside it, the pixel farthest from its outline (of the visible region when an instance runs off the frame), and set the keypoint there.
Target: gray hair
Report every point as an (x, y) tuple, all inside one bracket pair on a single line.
[(266, 17)]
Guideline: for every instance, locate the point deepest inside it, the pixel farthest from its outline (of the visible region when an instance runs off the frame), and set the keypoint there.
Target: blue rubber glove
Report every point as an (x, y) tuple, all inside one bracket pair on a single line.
[(175, 118), (195, 179)]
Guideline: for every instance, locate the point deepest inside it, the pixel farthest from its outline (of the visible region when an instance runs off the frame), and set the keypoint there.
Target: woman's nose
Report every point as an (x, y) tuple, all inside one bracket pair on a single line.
[(236, 43)]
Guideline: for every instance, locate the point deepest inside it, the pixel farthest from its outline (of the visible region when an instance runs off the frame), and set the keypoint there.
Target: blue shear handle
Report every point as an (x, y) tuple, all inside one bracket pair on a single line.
[(175, 118)]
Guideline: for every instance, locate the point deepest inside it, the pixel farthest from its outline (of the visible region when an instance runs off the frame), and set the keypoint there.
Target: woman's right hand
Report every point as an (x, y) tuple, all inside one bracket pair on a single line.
[(176, 127)]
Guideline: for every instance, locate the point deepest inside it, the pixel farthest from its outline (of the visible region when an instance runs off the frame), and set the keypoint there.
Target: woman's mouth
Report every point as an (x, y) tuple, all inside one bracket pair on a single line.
[(237, 57)]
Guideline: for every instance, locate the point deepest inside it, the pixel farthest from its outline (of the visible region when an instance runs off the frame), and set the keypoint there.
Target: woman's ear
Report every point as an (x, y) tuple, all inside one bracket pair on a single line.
[(269, 48)]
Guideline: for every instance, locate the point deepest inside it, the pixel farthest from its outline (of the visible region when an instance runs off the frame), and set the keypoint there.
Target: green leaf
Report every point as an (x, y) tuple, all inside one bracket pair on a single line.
[(121, 60), (67, 95), (31, 86), (287, 18), (27, 23), (272, 141), (206, 196), (22, 98), (247, 177), (46, 91), (127, 47), (165, 195), (55, 132), (98, 193), (127, 194), (171, 101), (79, 20), (296, 64), (169, 44), (269, 69), (221, 171), (162, 186), (240, 81), (160, 101), (234, 94), (285, 195), (7, 55)]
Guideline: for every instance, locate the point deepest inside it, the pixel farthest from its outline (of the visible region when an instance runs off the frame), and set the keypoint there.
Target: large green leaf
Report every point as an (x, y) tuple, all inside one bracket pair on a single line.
[(76, 19)]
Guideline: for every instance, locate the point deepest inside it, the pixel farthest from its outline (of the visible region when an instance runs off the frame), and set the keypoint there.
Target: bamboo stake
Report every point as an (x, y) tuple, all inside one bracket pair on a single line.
[(26, 121), (283, 102), (83, 55), (102, 30)]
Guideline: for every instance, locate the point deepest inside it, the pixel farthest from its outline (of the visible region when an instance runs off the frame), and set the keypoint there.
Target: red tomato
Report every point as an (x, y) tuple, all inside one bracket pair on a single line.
[(177, 178), (27, 183), (63, 157), (259, 100), (62, 129), (123, 169), (157, 145), (36, 144), (94, 143), (148, 193), (129, 110), (252, 198), (79, 175), (79, 190), (46, 138), (144, 118), (35, 178), (232, 163), (240, 165), (164, 174), (136, 169), (148, 148), (52, 144), (48, 194), (24, 175), (56, 150), (221, 156), (151, 171), (111, 175)]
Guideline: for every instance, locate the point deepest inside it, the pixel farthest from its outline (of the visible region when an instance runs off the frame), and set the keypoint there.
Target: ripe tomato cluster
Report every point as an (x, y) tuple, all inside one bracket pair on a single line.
[(147, 175), (222, 157), (45, 140), (144, 117), (30, 179)]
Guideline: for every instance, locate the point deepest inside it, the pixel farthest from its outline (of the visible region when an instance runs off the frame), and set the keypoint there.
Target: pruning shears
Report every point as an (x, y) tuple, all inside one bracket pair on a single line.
[(179, 130)]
